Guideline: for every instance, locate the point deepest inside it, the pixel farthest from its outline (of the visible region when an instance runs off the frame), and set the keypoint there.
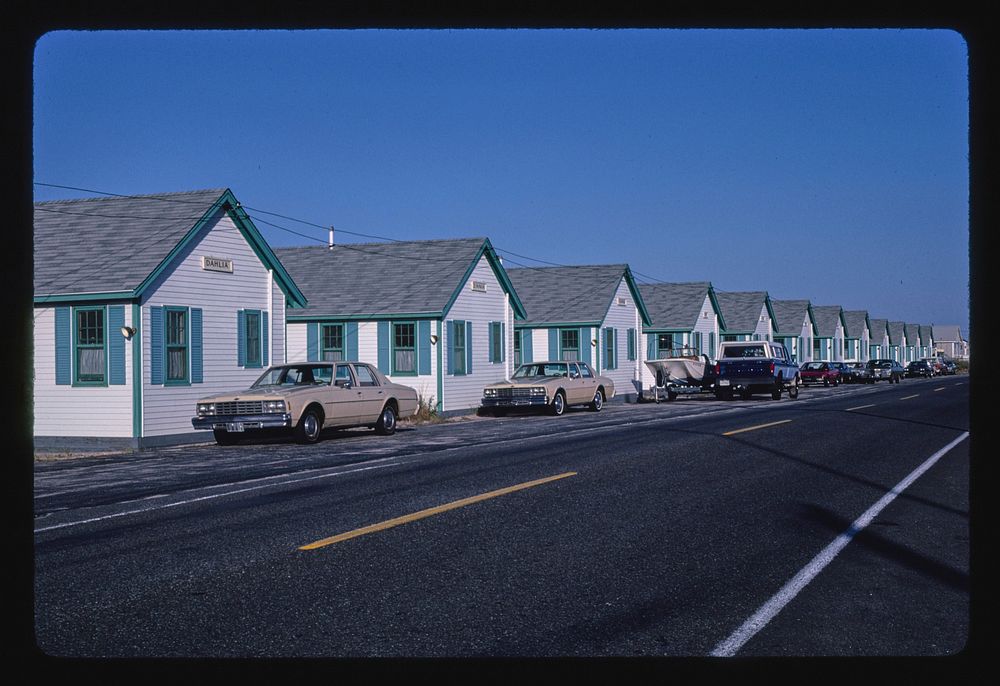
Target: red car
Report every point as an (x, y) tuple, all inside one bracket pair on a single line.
[(819, 372)]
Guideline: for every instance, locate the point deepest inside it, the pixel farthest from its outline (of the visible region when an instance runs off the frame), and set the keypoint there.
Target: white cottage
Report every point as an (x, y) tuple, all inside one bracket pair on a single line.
[(897, 342), (435, 315), (796, 327), (681, 314), (747, 315), (830, 332), (857, 342), (592, 313), (879, 346), (142, 305)]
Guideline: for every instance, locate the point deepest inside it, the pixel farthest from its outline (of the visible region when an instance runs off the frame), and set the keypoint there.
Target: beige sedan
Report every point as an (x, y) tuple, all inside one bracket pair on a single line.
[(306, 397), (552, 385)]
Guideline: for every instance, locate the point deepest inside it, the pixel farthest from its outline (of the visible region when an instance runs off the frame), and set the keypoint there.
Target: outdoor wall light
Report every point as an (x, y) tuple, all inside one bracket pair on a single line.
[(593, 342), (128, 332), (434, 339)]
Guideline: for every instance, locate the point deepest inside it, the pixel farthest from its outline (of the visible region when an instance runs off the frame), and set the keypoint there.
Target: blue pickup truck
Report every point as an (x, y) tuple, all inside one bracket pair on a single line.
[(748, 367)]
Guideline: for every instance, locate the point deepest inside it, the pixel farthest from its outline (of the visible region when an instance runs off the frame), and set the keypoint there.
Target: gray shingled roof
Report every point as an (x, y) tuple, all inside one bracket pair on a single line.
[(896, 333), (856, 322), (99, 245), (789, 315), (741, 310), (574, 294), (925, 334), (947, 332), (878, 329), (827, 317), (674, 305), (362, 279)]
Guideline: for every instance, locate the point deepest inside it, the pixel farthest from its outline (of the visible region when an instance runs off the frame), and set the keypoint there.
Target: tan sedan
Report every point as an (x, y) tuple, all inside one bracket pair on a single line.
[(552, 385), (306, 397)]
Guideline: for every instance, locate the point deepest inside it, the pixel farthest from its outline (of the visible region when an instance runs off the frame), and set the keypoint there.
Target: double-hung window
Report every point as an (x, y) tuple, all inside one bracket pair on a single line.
[(610, 348), (176, 330), (253, 346), (458, 348), (517, 347), (404, 350), (569, 344), (91, 353), (332, 343)]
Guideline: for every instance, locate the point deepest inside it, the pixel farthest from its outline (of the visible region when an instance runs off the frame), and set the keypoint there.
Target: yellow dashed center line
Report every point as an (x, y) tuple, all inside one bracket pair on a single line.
[(405, 519), (754, 428)]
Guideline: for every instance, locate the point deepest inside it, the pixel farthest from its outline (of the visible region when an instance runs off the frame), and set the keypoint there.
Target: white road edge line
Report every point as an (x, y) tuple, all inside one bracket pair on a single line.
[(776, 604), (206, 497)]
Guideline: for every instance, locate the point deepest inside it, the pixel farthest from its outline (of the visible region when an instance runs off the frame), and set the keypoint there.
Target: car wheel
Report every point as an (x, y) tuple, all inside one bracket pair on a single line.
[(223, 437), (793, 389), (776, 392), (386, 424), (309, 427), (826, 382), (558, 405), (598, 401), (671, 395)]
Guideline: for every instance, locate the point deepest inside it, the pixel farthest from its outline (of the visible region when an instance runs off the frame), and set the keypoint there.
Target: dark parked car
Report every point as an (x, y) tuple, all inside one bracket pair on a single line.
[(936, 365), (948, 367), (846, 371), (886, 370), (919, 368), (820, 372), (859, 372)]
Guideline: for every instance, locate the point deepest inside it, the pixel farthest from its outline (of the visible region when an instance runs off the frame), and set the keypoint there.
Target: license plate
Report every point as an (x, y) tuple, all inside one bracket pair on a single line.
[(235, 427), (723, 382)]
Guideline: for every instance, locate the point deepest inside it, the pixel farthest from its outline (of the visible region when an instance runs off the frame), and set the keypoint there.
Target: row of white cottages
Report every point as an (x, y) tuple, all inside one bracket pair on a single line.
[(143, 304)]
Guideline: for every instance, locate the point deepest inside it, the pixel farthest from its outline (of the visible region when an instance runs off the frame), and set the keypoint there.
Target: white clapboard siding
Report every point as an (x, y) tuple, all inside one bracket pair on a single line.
[(466, 391), (168, 409), (763, 328), (104, 412), (621, 318)]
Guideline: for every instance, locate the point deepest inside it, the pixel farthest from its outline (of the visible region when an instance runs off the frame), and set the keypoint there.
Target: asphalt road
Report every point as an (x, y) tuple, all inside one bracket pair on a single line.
[(693, 528)]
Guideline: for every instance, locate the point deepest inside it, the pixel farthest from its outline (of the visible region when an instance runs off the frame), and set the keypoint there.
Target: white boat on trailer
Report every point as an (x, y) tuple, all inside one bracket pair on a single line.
[(683, 371)]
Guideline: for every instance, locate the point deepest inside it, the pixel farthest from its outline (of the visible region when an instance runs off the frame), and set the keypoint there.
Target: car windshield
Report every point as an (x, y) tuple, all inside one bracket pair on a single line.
[(744, 351), (295, 375), (553, 369), (813, 365)]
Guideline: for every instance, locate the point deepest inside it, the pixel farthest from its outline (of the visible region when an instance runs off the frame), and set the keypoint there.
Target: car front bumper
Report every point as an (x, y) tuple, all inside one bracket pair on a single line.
[(246, 421), (533, 401)]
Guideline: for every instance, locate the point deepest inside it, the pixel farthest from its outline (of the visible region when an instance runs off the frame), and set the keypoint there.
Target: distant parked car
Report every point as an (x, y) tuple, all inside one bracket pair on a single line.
[(919, 368), (859, 372), (551, 385), (819, 372), (936, 365), (949, 367), (846, 371), (886, 370)]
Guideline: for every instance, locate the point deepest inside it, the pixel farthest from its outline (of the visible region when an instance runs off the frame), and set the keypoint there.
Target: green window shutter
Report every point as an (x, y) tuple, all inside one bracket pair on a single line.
[(503, 341), (312, 342), (631, 344), (241, 338), (613, 360), (198, 346), (423, 347), (491, 330), (526, 352), (116, 345), (650, 346), (383, 347), (351, 341), (711, 344), (156, 345), (264, 333), (585, 345), (64, 346), (450, 328), (553, 344), (468, 347)]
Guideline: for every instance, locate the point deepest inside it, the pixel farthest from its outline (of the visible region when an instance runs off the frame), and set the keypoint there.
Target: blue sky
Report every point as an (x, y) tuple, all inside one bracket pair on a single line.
[(830, 165)]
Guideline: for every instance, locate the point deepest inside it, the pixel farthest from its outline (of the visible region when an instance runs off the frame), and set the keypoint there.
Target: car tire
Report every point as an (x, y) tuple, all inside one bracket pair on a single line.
[(793, 389), (598, 402), (558, 406), (310, 426), (671, 395), (776, 392), (386, 424), (223, 437), (826, 382)]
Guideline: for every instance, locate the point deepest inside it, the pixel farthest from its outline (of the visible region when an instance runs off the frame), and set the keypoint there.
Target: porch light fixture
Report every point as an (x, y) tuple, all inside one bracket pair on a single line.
[(128, 332), (434, 339), (593, 342)]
